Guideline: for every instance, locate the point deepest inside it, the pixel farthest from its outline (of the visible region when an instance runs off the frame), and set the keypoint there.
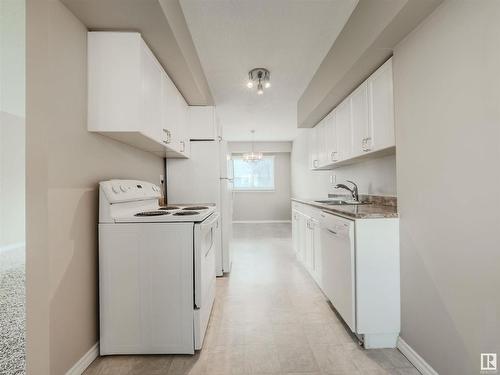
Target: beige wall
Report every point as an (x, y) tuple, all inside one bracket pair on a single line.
[(376, 176), (64, 165), (447, 100), (265, 205)]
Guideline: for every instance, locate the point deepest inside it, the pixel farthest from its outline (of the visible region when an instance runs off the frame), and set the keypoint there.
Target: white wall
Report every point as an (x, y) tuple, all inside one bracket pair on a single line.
[(12, 123), (377, 176), (447, 100), (265, 205), (64, 165)]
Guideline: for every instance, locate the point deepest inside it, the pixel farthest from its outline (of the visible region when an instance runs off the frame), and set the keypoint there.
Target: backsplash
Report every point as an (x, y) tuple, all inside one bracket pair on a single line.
[(381, 200)]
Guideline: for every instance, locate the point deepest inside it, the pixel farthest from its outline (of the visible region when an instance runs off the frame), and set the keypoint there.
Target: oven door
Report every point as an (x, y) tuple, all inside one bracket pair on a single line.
[(206, 241)]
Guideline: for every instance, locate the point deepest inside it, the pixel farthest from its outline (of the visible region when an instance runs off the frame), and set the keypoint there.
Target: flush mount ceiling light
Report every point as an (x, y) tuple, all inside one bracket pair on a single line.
[(260, 77), (252, 156)]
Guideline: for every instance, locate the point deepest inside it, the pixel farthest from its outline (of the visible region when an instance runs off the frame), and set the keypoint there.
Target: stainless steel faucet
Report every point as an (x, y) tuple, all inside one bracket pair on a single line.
[(353, 191)]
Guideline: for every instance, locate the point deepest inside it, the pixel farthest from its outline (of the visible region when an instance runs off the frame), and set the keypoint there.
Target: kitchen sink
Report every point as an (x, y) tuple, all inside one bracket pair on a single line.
[(339, 202)]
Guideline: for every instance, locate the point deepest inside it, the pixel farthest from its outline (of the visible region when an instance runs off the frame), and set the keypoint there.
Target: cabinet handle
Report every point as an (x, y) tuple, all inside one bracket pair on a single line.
[(168, 136), (365, 144)]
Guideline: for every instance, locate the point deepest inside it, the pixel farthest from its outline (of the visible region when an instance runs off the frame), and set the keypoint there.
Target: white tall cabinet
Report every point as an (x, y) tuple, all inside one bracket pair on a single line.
[(361, 126), (130, 96)]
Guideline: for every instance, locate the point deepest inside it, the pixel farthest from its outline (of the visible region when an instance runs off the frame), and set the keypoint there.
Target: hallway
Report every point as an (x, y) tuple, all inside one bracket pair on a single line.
[(269, 317)]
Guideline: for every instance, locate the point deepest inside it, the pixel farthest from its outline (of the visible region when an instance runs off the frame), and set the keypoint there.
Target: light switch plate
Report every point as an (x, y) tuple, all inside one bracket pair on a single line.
[(333, 179)]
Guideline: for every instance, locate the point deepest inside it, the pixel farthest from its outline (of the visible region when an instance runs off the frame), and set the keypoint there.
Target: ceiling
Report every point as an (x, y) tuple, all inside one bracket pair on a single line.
[(288, 37), (161, 24)]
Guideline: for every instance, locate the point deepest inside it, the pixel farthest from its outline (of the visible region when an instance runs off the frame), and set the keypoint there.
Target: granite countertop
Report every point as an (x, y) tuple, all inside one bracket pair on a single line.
[(377, 207)]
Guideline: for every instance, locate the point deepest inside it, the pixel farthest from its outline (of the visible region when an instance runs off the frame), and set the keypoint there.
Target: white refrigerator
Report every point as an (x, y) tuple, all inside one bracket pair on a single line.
[(206, 177)]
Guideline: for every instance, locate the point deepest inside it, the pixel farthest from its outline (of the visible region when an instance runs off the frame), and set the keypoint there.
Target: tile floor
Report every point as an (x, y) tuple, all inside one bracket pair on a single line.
[(269, 318)]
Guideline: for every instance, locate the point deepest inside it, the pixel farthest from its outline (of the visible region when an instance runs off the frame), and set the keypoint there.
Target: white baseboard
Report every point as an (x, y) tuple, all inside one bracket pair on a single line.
[(85, 361), (260, 221), (415, 358), (13, 246)]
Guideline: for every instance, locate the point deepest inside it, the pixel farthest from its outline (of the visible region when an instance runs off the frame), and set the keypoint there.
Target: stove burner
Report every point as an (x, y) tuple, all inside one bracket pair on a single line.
[(167, 208), (195, 208), (151, 213), (185, 213)]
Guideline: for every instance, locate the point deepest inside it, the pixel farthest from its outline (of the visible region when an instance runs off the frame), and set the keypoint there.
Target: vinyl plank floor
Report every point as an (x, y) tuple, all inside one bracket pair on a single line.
[(269, 318)]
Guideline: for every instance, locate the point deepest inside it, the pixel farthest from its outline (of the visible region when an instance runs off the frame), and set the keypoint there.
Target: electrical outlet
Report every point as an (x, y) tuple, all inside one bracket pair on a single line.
[(333, 179)]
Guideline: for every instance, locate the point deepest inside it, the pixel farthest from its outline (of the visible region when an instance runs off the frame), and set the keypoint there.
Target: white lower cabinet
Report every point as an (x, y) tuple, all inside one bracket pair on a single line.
[(309, 253), (356, 265), (302, 240)]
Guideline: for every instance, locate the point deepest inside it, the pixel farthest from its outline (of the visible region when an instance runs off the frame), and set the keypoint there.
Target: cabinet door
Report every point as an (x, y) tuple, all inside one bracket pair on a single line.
[(182, 126), (301, 235), (316, 250), (332, 151), (203, 123), (295, 230), (361, 131), (343, 116), (313, 148), (309, 250), (322, 143), (170, 116), (151, 73), (381, 108)]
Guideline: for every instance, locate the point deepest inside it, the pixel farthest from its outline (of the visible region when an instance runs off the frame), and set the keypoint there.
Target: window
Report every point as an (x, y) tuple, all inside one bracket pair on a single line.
[(255, 175)]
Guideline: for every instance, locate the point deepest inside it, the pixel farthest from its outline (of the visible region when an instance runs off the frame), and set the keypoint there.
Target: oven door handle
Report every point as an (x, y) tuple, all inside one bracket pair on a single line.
[(213, 219), (212, 241)]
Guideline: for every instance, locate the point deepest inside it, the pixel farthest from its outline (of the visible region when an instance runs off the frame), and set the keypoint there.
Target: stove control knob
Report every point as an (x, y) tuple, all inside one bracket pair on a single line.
[(115, 189), (123, 188)]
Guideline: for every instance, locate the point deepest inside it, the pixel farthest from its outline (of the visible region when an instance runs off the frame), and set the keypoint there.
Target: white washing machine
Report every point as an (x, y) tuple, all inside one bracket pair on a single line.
[(156, 270)]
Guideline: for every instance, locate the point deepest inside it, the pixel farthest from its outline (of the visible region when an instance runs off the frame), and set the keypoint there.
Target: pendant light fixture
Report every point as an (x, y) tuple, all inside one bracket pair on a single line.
[(252, 156), (260, 77)]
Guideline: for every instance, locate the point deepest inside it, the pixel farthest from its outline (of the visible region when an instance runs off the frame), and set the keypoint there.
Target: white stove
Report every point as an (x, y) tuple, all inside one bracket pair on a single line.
[(157, 270)]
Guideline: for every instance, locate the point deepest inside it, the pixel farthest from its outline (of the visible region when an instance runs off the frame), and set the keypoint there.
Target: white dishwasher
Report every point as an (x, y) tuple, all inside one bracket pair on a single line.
[(338, 264)]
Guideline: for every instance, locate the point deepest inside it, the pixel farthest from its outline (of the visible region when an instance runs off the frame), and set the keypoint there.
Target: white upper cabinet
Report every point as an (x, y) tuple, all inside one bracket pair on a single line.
[(313, 148), (203, 123), (362, 125), (130, 97), (321, 143), (381, 108), (151, 111), (174, 119), (344, 129), (332, 148), (359, 114)]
